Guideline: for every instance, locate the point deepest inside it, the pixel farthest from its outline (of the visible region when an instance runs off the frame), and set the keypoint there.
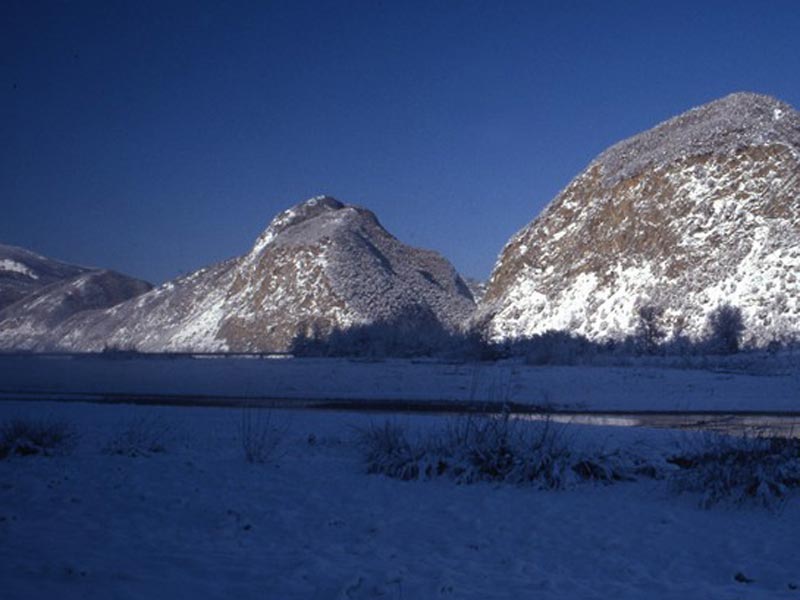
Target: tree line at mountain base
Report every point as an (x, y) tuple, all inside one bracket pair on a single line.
[(418, 333)]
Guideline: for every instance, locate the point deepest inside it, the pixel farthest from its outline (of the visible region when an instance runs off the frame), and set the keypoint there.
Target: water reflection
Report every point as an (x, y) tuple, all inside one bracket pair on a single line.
[(787, 426)]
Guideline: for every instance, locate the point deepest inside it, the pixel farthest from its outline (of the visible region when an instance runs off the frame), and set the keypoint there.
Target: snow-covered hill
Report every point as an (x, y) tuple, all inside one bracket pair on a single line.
[(704, 209), (23, 272), (320, 265), (30, 322)]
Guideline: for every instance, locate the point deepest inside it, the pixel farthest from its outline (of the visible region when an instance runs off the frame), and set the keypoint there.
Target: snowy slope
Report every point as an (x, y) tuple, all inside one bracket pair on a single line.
[(25, 324), (23, 272), (319, 265), (701, 210)]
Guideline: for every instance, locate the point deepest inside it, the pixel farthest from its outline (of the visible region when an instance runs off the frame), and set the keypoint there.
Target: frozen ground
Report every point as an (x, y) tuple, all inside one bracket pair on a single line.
[(197, 521), (575, 387)]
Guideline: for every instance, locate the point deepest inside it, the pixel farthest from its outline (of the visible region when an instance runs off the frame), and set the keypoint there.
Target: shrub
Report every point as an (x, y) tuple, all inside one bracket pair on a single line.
[(388, 451), (29, 437), (555, 348), (139, 437), (258, 436), (120, 351), (737, 470), (493, 449), (504, 449), (477, 448), (414, 332)]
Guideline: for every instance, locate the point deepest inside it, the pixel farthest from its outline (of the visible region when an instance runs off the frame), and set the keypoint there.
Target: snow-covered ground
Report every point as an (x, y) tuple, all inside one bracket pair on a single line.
[(578, 387), (198, 521)]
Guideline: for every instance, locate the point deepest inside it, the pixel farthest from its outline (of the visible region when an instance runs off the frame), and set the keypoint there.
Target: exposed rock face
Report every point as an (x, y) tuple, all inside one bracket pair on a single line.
[(23, 272), (30, 323), (704, 209), (319, 265)]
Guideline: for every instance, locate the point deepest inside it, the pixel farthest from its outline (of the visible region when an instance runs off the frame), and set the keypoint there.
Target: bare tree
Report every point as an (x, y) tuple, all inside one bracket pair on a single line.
[(649, 328), (725, 327)]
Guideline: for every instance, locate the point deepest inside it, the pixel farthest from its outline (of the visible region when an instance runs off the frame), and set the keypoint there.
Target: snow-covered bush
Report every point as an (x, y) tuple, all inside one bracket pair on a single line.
[(555, 348), (406, 335), (494, 449), (141, 436), (388, 451), (413, 332), (120, 351), (504, 449), (736, 470), (258, 435), (28, 437)]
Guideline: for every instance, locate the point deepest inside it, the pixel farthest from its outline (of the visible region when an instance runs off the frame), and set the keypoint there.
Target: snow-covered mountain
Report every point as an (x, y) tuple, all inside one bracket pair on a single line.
[(320, 265), (701, 210), (23, 272), (476, 287), (30, 323)]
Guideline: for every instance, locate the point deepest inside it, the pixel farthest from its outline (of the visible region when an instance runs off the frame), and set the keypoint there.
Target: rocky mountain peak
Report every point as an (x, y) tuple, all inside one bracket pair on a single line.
[(736, 121), (296, 215)]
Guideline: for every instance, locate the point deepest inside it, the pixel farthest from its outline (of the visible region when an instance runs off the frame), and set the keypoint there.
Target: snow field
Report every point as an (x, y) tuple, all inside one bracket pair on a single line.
[(198, 520)]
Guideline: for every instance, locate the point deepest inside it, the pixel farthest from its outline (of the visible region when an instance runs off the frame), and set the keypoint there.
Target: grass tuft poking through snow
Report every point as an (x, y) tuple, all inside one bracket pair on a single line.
[(258, 435), (30, 437), (388, 451), (139, 437), (495, 449), (739, 470)]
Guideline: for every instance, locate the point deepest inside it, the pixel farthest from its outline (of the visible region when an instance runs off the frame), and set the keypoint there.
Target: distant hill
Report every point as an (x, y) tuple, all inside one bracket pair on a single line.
[(33, 322), (23, 272)]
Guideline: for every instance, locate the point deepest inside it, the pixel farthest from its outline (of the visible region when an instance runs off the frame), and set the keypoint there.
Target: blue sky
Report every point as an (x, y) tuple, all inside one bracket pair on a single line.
[(158, 137)]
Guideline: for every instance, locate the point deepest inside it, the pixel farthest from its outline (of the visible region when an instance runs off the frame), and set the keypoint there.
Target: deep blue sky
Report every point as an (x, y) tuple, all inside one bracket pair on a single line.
[(158, 137)]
